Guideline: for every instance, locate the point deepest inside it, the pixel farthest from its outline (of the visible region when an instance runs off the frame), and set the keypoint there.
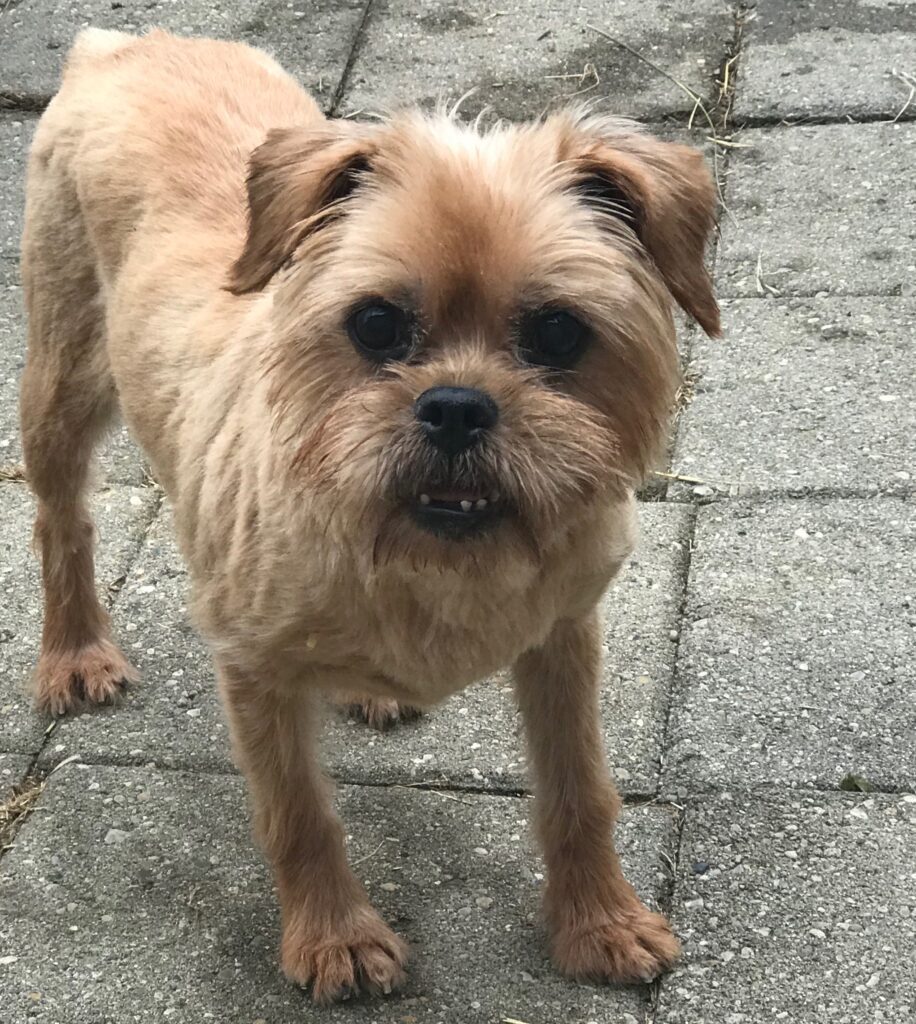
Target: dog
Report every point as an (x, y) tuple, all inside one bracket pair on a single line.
[(399, 380)]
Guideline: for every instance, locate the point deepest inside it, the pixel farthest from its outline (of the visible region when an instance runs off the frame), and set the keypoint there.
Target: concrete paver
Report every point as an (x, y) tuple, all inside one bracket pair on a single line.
[(121, 515), (312, 40), (12, 768), (795, 664), (16, 132), (519, 57), (173, 717), (150, 903), (802, 394), (830, 208), (796, 907), (826, 59)]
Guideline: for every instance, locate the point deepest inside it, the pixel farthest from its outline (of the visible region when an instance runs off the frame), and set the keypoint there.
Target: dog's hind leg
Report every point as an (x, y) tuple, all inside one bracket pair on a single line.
[(379, 713), (67, 400)]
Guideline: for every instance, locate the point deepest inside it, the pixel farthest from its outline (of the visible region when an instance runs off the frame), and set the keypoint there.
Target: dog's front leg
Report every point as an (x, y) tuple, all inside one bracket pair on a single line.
[(332, 936), (599, 928)]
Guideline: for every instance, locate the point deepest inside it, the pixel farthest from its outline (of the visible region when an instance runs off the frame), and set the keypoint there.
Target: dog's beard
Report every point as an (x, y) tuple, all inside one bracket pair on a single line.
[(537, 487)]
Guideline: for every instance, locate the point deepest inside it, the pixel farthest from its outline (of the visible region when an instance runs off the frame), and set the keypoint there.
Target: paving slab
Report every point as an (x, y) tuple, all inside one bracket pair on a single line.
[(802, 394), (796, 907), (795, 665), (173, 717), (830, 208), (149, 902), (311, 38), (522, 57), (12, 769), (826, 59), (16, 131), (121, 515)]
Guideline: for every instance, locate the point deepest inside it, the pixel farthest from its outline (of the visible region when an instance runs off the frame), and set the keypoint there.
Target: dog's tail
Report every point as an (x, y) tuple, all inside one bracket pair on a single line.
[(94, 44)]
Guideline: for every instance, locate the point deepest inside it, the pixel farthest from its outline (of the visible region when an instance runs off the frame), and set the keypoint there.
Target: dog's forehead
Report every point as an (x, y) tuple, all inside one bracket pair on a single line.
[(474, 219)]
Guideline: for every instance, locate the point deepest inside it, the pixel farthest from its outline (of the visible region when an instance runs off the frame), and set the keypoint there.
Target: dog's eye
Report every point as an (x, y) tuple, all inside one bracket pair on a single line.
[(380, 331), (552, 337)]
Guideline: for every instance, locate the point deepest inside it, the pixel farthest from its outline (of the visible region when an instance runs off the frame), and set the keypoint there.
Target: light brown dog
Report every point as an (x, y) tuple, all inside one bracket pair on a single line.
[(399, 388)]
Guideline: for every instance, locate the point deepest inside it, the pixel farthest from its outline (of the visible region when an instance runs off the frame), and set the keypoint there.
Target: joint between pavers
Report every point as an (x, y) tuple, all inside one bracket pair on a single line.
[(667, 900), (690, 799), (749, 121), (683, 569), (891, 492), (358, 38), (820, 293), (30, 787), (155, 510), (17, 102), (730, 66)]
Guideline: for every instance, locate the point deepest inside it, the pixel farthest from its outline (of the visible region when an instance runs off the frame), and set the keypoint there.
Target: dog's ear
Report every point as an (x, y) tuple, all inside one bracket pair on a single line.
[(664, 193), (298, 180)]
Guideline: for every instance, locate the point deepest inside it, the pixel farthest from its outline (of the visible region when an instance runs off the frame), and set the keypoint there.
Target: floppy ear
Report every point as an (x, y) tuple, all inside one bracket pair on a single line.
[(298, 180), (665, 193)]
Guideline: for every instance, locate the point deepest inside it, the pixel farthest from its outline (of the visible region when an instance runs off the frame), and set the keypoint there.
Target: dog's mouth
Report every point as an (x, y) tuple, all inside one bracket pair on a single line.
[(455, 513)]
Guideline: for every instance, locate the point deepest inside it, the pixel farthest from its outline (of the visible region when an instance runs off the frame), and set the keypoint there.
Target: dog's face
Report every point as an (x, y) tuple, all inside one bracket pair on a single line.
[(474, 343)]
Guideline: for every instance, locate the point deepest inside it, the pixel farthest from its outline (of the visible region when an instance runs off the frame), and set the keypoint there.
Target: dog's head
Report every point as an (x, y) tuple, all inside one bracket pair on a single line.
[(473, 332)]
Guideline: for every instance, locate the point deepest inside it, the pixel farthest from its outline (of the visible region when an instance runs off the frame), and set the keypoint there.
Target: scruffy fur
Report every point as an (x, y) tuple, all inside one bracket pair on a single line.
[(196, 234)]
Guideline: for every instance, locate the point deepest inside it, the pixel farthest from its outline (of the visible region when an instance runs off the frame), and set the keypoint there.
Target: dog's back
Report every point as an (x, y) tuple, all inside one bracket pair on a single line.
[(156, 124), (136, 201)]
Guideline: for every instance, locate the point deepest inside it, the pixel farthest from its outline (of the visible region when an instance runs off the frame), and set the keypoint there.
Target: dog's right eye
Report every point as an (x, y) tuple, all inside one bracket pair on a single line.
[(380, 331)]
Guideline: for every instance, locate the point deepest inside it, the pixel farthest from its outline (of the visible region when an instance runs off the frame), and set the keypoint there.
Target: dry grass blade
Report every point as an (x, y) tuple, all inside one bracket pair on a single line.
[(13, 471), (368, 856), (679, 478), (762, 286), (16, 808), (589, 71), (909, 81), (728, 144), (698, 104)]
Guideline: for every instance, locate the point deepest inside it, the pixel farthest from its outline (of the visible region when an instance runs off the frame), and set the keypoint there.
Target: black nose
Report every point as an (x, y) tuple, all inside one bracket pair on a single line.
[(455, 418)]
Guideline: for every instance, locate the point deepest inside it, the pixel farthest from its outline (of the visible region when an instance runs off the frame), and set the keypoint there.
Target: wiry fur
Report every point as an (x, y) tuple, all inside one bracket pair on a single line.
[(196, 235)]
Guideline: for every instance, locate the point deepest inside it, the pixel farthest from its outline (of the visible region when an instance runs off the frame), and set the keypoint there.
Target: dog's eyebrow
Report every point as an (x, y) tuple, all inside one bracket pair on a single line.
[(606, 196)]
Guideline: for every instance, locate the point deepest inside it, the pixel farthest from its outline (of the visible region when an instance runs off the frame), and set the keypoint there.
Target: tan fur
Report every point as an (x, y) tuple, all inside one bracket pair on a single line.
[(196, 235)]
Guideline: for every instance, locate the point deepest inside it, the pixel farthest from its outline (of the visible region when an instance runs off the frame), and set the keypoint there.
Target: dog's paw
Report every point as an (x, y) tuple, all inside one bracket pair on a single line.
[(380, 712), (367, 957), (629, 945), (68, 680)]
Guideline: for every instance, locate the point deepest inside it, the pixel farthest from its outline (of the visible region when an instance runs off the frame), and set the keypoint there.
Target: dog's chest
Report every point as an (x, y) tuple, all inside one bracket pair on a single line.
[(437, 640)]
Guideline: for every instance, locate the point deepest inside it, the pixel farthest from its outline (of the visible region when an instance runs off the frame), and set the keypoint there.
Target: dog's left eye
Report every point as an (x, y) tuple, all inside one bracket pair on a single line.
[(380, 331), (552, 338)]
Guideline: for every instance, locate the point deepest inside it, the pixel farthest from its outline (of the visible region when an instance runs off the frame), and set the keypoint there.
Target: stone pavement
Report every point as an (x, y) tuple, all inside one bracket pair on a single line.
[(761, 647)]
